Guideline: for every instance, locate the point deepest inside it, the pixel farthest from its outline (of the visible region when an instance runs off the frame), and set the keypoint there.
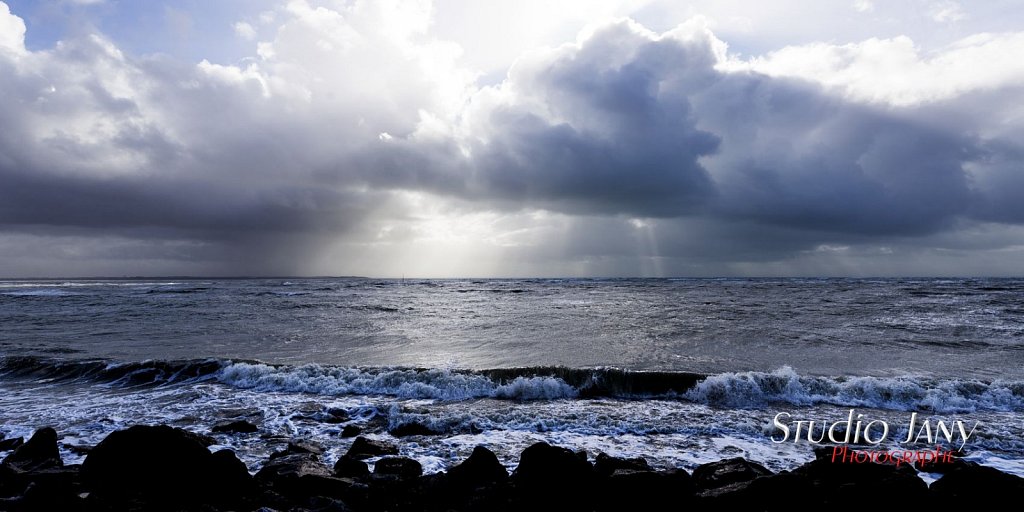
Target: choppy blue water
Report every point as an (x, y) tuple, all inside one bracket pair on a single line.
[(679, 371)]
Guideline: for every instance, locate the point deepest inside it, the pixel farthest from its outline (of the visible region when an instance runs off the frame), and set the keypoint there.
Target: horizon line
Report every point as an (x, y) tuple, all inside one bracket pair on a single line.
[(400, 278)]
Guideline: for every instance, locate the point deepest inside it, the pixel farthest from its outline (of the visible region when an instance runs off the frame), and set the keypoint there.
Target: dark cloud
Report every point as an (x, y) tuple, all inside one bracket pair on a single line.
[(662, 133), (654, 157), (818, 163), (602, 128)]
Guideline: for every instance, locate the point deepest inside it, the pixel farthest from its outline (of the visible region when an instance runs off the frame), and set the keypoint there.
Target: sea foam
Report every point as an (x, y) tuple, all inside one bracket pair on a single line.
[(784, 385)]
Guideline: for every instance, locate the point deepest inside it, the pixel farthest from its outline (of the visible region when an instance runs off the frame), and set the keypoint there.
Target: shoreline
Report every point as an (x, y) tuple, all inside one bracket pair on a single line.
[(167, 468)]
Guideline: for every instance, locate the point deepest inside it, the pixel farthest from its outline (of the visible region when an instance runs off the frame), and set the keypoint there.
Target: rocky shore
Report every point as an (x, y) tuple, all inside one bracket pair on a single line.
[(164, 468)]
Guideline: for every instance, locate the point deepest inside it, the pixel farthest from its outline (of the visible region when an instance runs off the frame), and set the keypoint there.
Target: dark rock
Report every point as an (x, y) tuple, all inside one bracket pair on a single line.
[(338, 412), (375, 422), (40, 452), (846, 481), (605, 464), (824, 452), (940, 466), (542, 463), (347, 467), (11, 443), (270, 438), (51, 489), (363, 448), (330, 415), (292, 466), (481, 468), (351, 431), (303, 446), (304, 475), (306, 408), (391, 493), (283, 473), (732, 489), (630, 489), (440, 493), (553, 478), (335, 415), (413, 429), (202, 439), (10, 482), (235, 427), (968, 484), (323, 504), (234, 476), (299, 447), (49, 485), (714, 475), (478, 483), (401, 467), (776, 493), (79, 449), (824, 482), (326, 418), (159, 464)]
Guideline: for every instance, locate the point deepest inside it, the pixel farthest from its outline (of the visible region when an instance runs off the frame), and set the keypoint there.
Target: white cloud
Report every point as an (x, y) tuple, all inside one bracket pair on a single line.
[(864, 5), (355, 136), (894, 71), (947, 12), (495, 34), (12, 31), (245, 30)]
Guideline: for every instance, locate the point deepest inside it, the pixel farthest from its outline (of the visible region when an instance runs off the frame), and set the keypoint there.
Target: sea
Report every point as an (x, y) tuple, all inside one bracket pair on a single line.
[(678, 371)]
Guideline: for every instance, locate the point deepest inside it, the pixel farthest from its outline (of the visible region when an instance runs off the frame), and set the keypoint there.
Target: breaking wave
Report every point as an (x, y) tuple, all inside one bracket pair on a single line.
[(757, 389), (728, 390)]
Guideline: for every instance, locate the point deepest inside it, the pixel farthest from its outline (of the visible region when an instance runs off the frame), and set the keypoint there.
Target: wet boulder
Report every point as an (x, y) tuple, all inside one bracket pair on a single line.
[(234, 427), (481, 468), (639, 489), (400, 467), (161, 464), (824, 482), (295, 447), (11, 443), (967, 484), (347, 467), (605, 464), (40, 452), (350, 431), (363, 448), (552, 477), (714, 477), (413, 429), (541, 464)]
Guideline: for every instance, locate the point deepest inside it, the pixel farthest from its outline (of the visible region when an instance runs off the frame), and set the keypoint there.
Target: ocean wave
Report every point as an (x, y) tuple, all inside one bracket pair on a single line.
[(607, 382), (758, 389), (40, 292), (401, 382), (117, 374), (194, 289), (746, 390), (527, 383), (81, 284)]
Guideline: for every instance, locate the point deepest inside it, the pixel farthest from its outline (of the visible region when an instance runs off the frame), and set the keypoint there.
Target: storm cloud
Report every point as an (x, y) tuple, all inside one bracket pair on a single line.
[(352, 141)]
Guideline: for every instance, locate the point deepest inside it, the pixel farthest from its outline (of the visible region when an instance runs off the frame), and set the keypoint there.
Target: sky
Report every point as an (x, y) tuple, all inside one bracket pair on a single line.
[(467, 138)]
